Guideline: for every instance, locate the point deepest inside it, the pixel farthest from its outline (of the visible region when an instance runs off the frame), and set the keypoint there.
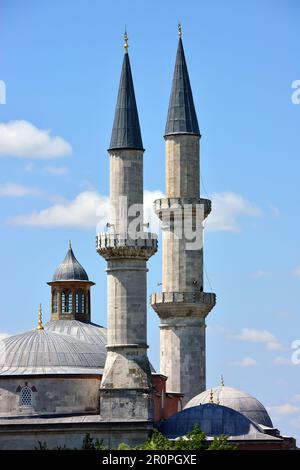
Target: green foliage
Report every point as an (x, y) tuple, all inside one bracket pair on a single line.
[(156, 441), (41, 446), (89, 443), (221, 443), (194, 440), (123, 446)]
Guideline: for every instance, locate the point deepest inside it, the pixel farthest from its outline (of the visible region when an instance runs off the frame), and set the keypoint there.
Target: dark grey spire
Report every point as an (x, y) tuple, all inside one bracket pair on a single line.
[(126, 133), (182, 118)]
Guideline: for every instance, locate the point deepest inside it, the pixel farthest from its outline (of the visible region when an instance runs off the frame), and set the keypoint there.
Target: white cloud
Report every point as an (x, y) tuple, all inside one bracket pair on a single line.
[(296, 271), (29, 166), (23, 139), (282, 361), (79, 212), (274, 346), (88, 209), (283, 410), (245, 362), (227, 207), (219, 329), (57, 170), (18, 190), (3, 336), (260, 336), (261, 273), (275, 211), (149, 215)]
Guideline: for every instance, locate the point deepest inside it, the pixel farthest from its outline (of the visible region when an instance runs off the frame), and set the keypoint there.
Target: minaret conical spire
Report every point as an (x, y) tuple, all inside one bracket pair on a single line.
[(182, 118), (126, 133)]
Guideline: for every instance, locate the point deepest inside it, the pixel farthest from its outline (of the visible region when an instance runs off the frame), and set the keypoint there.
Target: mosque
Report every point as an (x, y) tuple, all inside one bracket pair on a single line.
[(71, 376)]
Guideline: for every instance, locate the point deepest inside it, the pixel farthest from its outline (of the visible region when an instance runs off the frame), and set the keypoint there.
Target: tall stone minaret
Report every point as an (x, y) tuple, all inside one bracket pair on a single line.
[(182, 305), (126, 389)]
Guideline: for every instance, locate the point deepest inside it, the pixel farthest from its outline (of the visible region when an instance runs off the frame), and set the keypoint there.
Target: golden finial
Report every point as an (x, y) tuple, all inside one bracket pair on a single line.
[(179, 29), (222, 381), (40, 321), (126, 42), (211, 397)]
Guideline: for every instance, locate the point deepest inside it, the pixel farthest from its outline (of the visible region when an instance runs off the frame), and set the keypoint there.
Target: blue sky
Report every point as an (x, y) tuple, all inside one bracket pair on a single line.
[(61, 61)]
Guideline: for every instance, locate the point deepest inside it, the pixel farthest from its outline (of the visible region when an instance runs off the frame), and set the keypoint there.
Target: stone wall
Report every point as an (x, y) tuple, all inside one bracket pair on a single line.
[(50, 395), (57, 433)]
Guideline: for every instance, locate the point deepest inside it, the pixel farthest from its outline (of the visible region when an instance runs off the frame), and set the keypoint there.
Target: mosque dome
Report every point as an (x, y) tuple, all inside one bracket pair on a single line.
[(214, 420), (70, 269), (235, 399), (43, 352), (84, 331)]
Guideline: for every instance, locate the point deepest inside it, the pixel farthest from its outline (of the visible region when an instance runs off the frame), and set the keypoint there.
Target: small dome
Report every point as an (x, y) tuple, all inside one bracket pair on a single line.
[(214, 420), (88, 332), (235, 399), (44, 352), (70, 269)]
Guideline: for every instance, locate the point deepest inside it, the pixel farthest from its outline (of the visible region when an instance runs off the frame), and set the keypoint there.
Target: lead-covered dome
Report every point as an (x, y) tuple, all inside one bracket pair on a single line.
[(44, 352), (237, 400), (84, 331), (70, 269), (214, 420)]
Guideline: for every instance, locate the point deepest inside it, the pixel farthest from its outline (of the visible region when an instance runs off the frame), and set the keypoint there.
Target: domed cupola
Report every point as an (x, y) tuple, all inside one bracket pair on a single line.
[(70, 290), (70, 269), (237, 400)]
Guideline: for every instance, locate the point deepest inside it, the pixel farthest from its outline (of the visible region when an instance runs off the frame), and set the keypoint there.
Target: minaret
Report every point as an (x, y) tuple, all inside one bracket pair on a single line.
[(182, 305), (126, 389)]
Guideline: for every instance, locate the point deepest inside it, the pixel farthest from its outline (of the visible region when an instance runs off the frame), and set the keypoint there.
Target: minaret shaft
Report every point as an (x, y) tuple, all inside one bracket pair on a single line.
[(182, 166), (182, 267), (126, 386), (182, 305), (126, 189)]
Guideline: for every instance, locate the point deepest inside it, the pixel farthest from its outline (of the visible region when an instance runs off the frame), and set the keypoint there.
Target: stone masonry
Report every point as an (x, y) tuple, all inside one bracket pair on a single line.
[(126, 387), (182, 305)]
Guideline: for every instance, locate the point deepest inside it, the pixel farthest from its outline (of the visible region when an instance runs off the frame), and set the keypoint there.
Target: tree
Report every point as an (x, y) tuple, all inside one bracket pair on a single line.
[(156, 441), (194, 440), (221, 443), (89, 443)]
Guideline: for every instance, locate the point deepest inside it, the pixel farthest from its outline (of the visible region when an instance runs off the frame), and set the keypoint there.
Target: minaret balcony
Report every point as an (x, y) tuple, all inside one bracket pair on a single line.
[(112, 245), (182, 304), (166, 206)]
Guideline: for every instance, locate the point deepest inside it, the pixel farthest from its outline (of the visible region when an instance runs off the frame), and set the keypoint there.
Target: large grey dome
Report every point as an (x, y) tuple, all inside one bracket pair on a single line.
[(70, 269), (44, 352), (88, 332), (235, 399), (91, 333)]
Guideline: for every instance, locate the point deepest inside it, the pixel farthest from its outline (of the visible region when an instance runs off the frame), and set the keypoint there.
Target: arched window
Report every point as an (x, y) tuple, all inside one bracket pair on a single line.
[(70, 301), (66, 301), (26, 396), (54, 300), (80, 303), (88, 302), (63, 301)]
